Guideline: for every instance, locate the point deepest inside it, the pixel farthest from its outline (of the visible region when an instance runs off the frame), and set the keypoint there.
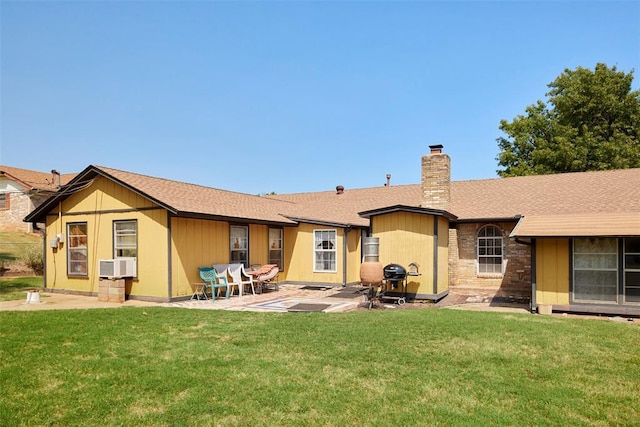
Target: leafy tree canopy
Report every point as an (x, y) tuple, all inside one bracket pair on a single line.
[(591, 121)]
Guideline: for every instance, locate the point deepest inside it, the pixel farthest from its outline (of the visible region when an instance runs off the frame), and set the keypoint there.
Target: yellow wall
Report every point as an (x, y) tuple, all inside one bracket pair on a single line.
[(552, 271), (354, 255), (99, 205), (407, 237), (200, 243), (298, 255)]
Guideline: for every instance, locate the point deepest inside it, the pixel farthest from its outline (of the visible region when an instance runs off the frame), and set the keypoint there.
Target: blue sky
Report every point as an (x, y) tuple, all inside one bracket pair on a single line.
[(287, 96)]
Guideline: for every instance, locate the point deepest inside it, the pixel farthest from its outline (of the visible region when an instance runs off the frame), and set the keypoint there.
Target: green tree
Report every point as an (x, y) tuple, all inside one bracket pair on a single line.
[(591, 121)]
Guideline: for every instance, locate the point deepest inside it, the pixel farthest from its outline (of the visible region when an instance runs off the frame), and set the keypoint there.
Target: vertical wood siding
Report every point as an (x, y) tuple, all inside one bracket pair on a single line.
[(552, 271), (202, 243), (95, 205), (298, 256), (354, 256), (408, 237), (196, 243)]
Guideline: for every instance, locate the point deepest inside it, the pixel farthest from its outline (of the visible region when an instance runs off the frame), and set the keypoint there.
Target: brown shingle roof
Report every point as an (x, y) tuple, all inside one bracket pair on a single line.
[(497, 198), (579, 225), (34, 180), (615, 191), (568, 193), (184, 198), (330, 207)]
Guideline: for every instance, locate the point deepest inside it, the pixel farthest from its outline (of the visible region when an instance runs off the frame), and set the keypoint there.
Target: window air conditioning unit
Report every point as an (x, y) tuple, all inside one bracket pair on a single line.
[(117, 268)]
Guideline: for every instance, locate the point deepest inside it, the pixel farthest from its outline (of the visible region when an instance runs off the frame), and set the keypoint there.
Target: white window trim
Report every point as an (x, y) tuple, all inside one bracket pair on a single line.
[(334, 250), (502, 256), (115, 237)]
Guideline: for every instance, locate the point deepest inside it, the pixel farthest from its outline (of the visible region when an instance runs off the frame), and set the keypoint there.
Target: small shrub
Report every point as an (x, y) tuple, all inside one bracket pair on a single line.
[(34, 258)]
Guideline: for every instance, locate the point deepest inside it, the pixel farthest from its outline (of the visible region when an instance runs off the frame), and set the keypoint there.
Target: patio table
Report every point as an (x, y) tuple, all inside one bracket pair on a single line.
[(198, 291)]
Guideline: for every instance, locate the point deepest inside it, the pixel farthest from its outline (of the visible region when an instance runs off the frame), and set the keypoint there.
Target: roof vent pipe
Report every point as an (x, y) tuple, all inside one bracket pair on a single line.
[(388, 180), (339, 189)]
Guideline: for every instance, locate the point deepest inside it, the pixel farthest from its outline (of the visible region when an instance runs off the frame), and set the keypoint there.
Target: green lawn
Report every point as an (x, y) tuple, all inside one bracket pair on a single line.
[(15, 288), (170, 366)]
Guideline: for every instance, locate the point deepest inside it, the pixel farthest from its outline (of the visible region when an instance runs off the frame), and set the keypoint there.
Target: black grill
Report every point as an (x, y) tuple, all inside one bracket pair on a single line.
[(394, 273)]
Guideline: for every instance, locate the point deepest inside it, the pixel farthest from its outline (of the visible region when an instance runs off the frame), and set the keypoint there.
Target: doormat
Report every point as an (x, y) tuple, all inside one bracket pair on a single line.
[(346, 295), (302, 307), (316, 288)]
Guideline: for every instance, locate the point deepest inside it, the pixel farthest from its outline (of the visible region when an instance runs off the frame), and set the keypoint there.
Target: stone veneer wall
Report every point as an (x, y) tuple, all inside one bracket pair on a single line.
[(516, 279)]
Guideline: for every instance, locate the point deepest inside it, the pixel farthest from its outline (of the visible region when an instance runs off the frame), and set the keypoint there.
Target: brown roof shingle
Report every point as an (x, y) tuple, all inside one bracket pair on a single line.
[(187, 198), (568, 193), (579, 225), (616, 191)]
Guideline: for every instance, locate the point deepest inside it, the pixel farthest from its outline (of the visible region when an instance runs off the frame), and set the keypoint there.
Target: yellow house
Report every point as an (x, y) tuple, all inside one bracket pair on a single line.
[(568, 242)]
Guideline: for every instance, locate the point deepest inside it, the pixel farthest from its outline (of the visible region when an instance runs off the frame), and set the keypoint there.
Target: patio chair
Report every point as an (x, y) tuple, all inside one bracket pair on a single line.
[(223, 270), (213, 281), (265, 276), (241, 277)]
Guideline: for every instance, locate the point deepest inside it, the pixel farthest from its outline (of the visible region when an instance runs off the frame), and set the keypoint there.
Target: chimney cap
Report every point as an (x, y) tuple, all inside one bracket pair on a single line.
[(436, 149), (339, 189)]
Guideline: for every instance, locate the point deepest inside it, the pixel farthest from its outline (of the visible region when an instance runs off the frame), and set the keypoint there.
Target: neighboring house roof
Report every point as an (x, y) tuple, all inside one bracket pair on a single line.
[(34, 180), (495, 199)]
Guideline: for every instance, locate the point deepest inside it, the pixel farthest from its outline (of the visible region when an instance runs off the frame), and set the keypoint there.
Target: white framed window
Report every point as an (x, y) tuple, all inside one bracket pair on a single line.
[(595, 270), (324, 250), (77, 253), (276, 247), (125, 239), (490, 244), (239, 244)]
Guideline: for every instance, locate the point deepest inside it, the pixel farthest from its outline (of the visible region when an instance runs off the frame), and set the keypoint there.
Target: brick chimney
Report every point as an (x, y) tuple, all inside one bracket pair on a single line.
[(436, 179)]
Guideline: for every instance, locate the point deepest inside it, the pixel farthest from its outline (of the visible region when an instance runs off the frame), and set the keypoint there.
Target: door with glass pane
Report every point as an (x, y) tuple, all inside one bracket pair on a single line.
[(595, 270), (632, 270)]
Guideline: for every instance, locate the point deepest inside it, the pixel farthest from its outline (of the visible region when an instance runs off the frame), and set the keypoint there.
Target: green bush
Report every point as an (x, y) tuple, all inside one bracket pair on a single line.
[(34, 258)]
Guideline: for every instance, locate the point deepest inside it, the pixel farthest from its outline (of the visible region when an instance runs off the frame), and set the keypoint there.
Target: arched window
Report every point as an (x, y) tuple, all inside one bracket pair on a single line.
[(490, 250)]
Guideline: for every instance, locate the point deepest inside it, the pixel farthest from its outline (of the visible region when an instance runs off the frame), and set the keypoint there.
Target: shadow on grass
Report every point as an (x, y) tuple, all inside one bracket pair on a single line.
[(14, 288)]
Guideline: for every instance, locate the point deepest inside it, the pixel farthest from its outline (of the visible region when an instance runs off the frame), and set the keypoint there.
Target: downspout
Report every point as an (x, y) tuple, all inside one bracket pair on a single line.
[(435, 255), (344, 256), (44, 251)]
